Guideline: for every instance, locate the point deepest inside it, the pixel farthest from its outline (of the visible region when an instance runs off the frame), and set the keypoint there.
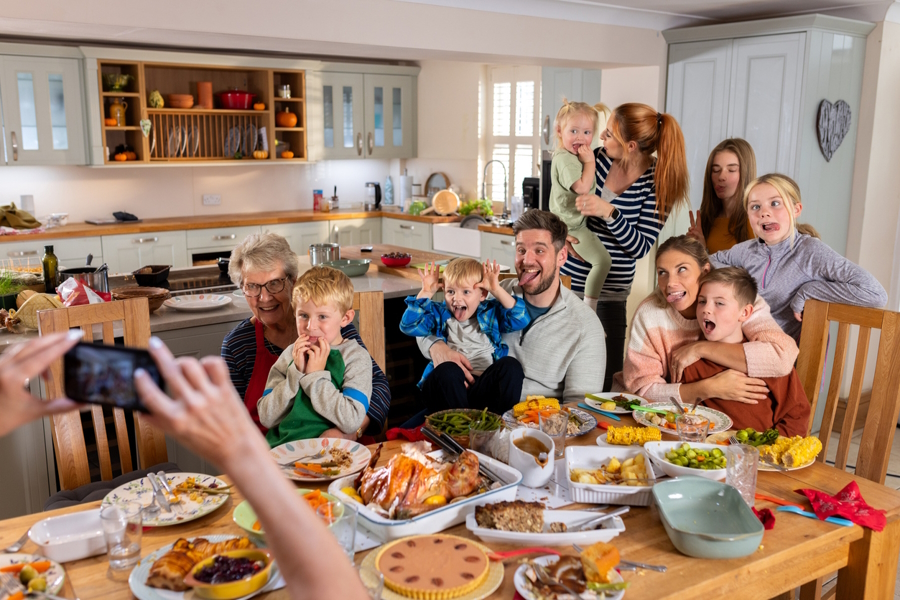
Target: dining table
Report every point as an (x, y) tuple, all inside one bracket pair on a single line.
[(797, 550)]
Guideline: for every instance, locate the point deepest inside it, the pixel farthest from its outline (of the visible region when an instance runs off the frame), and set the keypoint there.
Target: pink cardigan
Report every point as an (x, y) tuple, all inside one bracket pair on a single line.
[(656, 332)]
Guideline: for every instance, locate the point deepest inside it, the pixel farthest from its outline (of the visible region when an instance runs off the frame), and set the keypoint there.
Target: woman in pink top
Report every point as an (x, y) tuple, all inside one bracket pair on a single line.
[(666, 338)]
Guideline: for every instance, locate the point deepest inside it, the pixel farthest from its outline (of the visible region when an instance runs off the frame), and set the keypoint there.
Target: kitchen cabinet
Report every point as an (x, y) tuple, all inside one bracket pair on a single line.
[(499, 247), (70, 252), (368, 115), (409, 234), (301, 235), (43, 118), (126, 253), (354, 232), (581, 85)]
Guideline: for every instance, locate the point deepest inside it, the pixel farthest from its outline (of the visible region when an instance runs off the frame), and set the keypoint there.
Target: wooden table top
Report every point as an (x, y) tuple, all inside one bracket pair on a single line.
[(418, 256), (796, 550)]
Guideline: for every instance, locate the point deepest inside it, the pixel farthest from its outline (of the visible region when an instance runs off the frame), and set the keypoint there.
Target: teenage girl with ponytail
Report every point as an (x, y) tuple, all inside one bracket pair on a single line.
[(635, 195)]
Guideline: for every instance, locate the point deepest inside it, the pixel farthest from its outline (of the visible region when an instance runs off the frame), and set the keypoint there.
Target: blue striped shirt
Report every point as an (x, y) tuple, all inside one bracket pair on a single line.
[(628, 237), (239, 352)]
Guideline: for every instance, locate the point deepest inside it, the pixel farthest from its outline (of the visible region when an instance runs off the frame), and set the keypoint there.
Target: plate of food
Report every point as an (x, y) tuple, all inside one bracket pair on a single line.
[(193, 496), (34, 572), (613, 402), (718, 421), (245, 517), (528, 412), (321, 459), (792, 453), (198, 302), (160, 575), (592, 574), (528, 523)]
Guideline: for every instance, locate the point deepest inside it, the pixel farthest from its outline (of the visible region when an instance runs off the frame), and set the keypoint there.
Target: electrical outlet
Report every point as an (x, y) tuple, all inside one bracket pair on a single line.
[(212, 199)]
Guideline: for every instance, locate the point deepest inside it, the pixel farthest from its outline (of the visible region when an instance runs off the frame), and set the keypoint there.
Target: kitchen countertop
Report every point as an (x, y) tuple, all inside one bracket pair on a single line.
[(75, 230), (418, 256), (496, 229)]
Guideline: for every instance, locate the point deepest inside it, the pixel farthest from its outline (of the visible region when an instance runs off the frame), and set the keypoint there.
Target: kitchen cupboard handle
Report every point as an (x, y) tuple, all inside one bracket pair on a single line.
[(223, 237), (334, 231), (13, 253), (144, 240), (506, 243), (371, 142), (359, 143), (545, 130), (410, 227), (15, 145)]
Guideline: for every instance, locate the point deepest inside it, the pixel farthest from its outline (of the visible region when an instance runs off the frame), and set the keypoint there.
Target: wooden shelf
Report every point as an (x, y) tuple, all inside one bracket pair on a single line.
[(124, 128), (121, 94), (290, 129), (202, 111), (288, 99)]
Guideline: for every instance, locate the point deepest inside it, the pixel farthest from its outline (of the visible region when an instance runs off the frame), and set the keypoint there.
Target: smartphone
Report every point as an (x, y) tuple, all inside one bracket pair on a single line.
[(102, 374), (366, 249)]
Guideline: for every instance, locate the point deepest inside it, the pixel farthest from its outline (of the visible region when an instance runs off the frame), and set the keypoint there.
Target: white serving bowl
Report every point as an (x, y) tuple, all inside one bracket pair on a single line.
[(656, 452), (593, 457), (69, 537)]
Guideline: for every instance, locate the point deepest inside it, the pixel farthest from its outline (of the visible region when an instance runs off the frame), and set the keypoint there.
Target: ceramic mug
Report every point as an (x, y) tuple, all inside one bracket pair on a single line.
[(534, 475)]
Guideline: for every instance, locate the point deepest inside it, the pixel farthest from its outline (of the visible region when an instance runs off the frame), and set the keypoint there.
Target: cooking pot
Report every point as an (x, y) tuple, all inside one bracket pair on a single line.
[(92, 277), (320, 253), (236, 99)]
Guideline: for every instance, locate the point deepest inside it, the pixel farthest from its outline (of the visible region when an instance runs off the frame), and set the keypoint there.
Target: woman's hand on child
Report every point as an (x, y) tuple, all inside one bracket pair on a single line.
[(696, 229), (571, 241), (684, 357), (299, 352), (592, 205), (738, 387), (585, 155), (430, 276), (317, 356), (490, 280)]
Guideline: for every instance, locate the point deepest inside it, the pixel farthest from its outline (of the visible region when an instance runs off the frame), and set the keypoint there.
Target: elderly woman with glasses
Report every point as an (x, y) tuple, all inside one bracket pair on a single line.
[(265, 268)]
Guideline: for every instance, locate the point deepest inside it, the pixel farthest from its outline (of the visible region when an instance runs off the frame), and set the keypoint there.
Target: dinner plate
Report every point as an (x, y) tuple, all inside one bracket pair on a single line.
[(520, 580), (718, 421), (191, 140), (316, 450), (232, 141), (609, 529), (250, 140), (489, 585), (609, 396), (198, 302), (175, 141), (137, 579), (55, 575), (245, 517), (723, 436), (588, 422), (140, 491)]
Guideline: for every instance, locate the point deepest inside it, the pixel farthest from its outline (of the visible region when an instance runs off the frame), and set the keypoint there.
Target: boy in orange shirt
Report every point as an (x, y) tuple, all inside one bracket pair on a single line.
[(725, 301)]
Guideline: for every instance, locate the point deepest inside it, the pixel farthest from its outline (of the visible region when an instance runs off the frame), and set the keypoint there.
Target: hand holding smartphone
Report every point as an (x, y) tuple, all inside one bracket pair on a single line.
[(102, 374)]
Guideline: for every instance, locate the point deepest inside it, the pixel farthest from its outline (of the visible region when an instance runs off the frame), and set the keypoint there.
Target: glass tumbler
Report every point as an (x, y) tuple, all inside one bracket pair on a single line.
[(341, 519), (373, 580), (480, 439), (122, 528), (556, 425), (741, 469), (692, 428)]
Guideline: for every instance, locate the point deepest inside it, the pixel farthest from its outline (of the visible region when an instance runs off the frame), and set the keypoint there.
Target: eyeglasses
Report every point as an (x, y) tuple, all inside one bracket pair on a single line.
[(273, 287)]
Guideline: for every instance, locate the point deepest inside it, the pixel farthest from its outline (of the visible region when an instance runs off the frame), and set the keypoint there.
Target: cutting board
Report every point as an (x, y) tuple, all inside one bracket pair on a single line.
[(418, 256)]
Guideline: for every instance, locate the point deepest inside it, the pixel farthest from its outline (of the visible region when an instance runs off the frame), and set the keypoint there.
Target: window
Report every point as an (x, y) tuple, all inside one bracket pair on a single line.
[(510, 127)]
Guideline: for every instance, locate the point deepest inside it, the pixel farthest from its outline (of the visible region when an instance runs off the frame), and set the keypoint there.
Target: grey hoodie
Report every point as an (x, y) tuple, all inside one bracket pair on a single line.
[(787, 277)]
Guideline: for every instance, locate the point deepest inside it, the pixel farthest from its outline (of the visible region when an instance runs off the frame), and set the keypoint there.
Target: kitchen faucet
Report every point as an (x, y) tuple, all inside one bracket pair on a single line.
[(484, 185)]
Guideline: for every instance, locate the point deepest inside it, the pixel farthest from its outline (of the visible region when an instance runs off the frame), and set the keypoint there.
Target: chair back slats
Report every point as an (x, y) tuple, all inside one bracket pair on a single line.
[(813, 345), (370, 309), (834, 387), (108, 336), (122, 434), (856, 383), (102, 442)]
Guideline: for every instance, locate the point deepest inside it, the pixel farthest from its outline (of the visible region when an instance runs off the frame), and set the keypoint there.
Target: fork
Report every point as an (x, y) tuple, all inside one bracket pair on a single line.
[(17, 545), (629, 563), (161, 477), (547, 579)]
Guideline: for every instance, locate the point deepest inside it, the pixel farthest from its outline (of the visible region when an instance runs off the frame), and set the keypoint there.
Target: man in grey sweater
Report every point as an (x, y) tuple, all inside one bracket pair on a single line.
[(563, 350)]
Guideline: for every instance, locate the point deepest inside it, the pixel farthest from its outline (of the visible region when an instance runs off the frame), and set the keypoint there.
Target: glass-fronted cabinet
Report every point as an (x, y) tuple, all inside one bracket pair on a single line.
[(342, 105), (389, 116), (43, 119)]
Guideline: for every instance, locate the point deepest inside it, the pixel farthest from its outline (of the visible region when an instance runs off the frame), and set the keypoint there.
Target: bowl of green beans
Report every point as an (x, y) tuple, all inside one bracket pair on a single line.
[(457, 422)]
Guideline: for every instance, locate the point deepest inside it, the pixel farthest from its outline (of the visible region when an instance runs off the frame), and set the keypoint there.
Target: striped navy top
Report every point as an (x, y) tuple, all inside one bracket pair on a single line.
[(627, 238), (239, 352)]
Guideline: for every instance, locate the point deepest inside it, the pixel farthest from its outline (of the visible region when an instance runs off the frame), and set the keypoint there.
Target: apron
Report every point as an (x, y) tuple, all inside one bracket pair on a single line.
[(261, 367)]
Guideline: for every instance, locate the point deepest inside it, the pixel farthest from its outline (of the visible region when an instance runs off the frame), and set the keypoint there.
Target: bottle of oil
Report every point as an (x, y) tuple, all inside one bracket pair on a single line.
[(50, 264)]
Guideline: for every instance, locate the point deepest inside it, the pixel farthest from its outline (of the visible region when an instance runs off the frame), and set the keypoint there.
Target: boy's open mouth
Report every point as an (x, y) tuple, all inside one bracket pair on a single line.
[(459, 311), (770, 227), (708, 326), (675, 296)]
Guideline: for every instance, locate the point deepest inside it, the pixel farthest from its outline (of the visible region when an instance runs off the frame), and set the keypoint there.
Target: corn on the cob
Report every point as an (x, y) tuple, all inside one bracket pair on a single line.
[(772, 453), (535, 403), (802, 452), (627, 436)]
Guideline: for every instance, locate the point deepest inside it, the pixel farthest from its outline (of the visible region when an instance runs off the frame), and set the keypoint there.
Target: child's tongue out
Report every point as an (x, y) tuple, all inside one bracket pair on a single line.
[(459, 311)]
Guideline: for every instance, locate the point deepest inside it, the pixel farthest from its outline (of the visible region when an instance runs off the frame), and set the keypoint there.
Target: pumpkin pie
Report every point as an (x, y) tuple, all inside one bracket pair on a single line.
[(432, 567)]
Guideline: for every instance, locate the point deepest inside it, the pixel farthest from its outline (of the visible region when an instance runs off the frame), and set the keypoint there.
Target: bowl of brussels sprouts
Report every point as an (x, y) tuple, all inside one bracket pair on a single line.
[(678, 459)]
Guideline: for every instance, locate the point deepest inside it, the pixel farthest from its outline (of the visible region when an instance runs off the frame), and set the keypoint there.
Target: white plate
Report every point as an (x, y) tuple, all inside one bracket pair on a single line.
[(609, 396), (593, 457), (587, 419), (656, 451), (232, 141), (524, 588), (55, 575), (316, 451), (198, 302), (251, 139), (140, 491), (175, 142), (572, 518), (764, 466), (718, 421), (191, 140), (137, 579), (69, 537)]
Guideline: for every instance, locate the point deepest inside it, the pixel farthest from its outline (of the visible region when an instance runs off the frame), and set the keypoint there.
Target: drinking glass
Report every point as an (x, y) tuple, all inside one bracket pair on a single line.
[(740, 471), (480, 439), (555, 426), (692, 428), (122, 528), (341, 519), (373, 580)]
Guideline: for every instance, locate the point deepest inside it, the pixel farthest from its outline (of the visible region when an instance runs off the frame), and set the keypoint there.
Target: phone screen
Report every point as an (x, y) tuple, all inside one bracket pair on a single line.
[(101, 374)]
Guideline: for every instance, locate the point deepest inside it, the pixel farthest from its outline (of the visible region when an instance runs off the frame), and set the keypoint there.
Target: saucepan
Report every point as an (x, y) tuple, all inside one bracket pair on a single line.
[(93, 277), (320, 253)]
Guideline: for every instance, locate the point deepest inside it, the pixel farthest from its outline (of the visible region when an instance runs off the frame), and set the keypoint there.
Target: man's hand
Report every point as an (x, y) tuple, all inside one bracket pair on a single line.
[(301, 346), (441, 353), (317, 356)]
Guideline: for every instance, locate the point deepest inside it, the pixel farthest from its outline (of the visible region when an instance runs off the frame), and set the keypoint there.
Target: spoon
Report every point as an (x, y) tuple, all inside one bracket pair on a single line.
[(799, 511), (678, 406)]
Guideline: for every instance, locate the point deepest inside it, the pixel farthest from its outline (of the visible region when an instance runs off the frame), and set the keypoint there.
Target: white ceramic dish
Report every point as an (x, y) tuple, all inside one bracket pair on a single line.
[(69, 537), (593, 457), (572, 518), (521, 582), (718, 421), (609, 396), (198, 302), (656, 452), (436, 520), (588, 422), (316, 451), (141, 491), (55, 575)]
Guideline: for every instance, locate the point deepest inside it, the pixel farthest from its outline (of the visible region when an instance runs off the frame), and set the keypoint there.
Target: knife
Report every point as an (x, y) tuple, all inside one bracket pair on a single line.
[(610, 415), (157, 491)]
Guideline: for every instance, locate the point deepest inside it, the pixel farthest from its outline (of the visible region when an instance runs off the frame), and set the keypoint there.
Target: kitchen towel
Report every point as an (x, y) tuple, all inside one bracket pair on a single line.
[(10, 216)]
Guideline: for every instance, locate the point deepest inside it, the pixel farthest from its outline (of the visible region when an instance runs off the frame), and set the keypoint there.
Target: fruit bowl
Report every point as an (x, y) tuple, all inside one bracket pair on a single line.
[(231, 589), (396, 259)]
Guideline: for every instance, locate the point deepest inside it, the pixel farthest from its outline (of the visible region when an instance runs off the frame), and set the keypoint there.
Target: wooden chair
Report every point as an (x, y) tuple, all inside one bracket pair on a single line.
[(884, 406), (369, 307), (68, 436), (566, 280)]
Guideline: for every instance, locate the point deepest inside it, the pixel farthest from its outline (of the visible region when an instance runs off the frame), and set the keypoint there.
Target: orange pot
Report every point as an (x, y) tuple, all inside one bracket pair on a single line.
[(204, 94), (286, 119)]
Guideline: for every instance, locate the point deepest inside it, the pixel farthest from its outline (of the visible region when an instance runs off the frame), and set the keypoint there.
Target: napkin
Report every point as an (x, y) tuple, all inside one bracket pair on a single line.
[(766, 517), (848, 503), (413, 435)]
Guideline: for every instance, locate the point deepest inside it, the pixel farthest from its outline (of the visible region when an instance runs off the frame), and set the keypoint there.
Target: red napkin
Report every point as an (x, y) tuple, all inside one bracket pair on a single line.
[(766, 517), (848, 503), (413, 435)]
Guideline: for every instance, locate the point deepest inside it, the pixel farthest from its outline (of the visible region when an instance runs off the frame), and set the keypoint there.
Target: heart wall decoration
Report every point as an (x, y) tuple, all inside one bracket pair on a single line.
[(832, 125)]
